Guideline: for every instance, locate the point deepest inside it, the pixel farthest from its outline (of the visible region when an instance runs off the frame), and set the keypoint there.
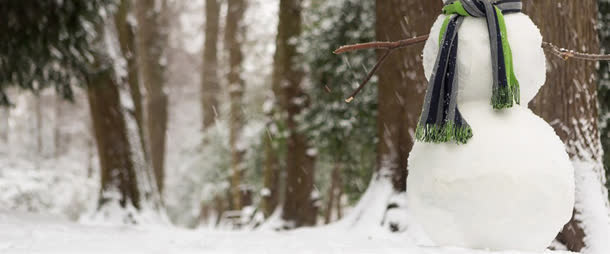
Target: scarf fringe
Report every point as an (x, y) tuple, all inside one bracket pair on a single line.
[(506, 97), (502, 98), (432, 133)]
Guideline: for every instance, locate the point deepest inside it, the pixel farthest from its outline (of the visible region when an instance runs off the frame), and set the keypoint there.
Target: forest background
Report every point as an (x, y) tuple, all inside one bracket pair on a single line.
[(231, 113)]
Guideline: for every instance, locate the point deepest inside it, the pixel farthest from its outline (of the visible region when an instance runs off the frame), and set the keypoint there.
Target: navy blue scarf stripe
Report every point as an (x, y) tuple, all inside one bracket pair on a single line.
[(450, 79), (502, 78), (439, 76)]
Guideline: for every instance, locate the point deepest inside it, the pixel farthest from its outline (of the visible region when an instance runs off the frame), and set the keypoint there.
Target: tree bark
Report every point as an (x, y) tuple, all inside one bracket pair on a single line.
[(151, 44), (91, 142), (234, 34), (127, 40), (569, 99), (334, 192), (604, 84), (271, 178), (38, 111), (402, 83), (57, 135), (116, 165), (298, 207), (221, 206), (4, 126), (339, 193), (210, 87)]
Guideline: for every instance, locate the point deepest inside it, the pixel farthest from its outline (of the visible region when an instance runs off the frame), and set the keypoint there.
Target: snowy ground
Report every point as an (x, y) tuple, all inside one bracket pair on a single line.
[(28, 233)]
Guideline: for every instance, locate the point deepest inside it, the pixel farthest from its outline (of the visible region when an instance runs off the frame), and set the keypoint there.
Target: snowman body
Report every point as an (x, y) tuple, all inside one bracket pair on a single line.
[(511, 187)]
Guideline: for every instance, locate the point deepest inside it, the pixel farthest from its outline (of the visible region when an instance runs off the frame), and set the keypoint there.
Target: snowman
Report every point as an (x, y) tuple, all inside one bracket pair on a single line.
[(486, 172)]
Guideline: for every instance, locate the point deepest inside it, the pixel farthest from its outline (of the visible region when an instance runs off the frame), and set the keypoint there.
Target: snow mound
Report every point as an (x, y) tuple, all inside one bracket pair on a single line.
[(27, 233)]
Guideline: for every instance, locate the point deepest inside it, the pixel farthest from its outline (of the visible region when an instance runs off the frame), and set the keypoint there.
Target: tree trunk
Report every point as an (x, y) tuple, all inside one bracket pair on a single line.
[(334, 198), (38, 111), (298, 207), (90, 148), (604, 84), (234, 34), (4, 127), (210, 87), (57, 137), (271, 178), (221, 206), (339, 193), (116, 165), (402, 83), (569, 102), (151, 44), (127, 39)]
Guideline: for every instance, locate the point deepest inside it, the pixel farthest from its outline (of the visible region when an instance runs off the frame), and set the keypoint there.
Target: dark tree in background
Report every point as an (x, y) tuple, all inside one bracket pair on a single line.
[(569, 102), (298, 207), (151, 39), (234, 36), (116, 158), (604, 83), (210, 87), (402, 83), (127, 40)]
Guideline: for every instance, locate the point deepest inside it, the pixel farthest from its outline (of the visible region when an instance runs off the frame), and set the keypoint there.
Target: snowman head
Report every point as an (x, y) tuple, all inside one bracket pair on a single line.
[(474, 64)]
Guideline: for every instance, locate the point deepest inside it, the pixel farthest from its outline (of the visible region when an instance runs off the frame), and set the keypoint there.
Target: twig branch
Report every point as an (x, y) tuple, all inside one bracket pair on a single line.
[(390, 46), (566, 54), (369, 76)]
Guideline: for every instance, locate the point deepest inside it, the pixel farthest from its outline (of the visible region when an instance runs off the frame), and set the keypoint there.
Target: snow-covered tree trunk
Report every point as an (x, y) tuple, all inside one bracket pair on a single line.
[(116, 165), (118, 174), (569, 103), (151, 44), (210, 87), (298, 207), (127, 40), (234, 35)]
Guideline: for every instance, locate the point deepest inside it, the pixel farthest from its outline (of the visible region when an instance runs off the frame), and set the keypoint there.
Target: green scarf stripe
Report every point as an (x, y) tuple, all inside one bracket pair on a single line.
[(455, 8), (513, 83), (443, 29)]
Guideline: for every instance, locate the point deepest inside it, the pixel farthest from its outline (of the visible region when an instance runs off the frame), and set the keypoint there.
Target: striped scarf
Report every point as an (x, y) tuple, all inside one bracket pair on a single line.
[(441, 120)]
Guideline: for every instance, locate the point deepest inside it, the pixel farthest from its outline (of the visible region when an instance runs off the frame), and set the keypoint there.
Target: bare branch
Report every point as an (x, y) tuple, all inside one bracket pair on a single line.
[(369, 76), (566, 54), (390, 46)]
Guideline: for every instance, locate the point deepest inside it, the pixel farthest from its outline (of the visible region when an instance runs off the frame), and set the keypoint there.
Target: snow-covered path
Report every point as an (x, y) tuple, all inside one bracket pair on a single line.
[(21, 233)]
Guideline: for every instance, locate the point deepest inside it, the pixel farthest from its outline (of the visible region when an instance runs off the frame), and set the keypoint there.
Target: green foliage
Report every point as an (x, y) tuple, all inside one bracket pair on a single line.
[(47, 43), (604, 83), (344, 134)]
